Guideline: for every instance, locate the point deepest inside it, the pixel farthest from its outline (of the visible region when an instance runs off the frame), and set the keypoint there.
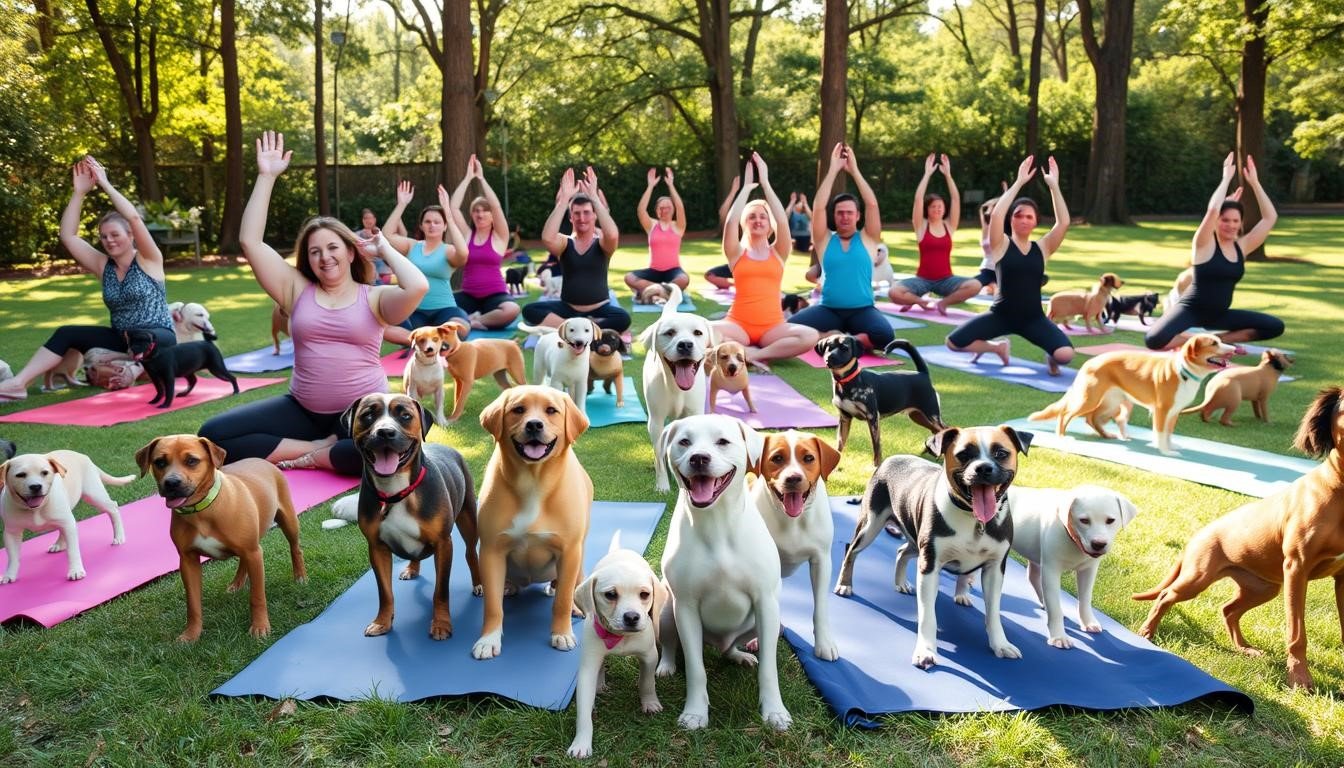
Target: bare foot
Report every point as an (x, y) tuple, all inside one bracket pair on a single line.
[(1001, 349), (941, 307), (1053, 364), (10, 394), (760, 366)]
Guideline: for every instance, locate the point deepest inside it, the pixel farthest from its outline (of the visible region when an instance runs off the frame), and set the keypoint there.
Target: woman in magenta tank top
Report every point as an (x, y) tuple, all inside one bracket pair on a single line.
[(665, 232), (484, 295), (934, 224)]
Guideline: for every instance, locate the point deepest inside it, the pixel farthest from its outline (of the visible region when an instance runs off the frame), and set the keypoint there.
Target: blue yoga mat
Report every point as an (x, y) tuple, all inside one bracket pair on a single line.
[(602, 411), (263, 360), (507, 332), (686, 305), (1208, 462), (1018, 371), (330, 657), (900, 323), (875, 629)]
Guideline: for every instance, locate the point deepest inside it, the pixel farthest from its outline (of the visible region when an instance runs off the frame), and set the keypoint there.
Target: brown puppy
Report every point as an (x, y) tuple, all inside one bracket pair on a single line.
[(606, 363), (1229, 387), (64, 371), (728, 372), (1091, 304), (1281, 541), (221, 511), (279, 325), (475, 359), (534, 508)]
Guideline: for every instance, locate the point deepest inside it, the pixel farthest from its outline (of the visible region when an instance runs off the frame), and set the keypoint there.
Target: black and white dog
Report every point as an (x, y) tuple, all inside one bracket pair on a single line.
[(165, 363), (1141, 304)]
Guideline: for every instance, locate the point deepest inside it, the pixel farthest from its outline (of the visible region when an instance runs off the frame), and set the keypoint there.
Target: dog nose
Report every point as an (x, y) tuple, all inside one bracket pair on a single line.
[(732, 370), (685, 347), (34, 487), (631, 618), (385, 433), (534, 425), (984, 469), (1099, 545), (794, 479), (699, 460), (172, 482)]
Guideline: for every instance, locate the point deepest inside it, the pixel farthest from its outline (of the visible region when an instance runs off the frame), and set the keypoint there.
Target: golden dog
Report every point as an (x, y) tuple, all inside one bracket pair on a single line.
[(1228, 388), (1091, 304), (476, 359), (728, 372)]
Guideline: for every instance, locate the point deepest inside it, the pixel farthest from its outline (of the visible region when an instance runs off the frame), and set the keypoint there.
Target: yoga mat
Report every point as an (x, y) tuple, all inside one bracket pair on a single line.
[(867, 361), (1098, 349), (1208, 462), (330, 656), (262, 360), (954, 316), (394, 365), (42, 593), (507, 332), (875, 629), (778, 406), (722, 296), (132, 404), (602, 411), (1018, 371), (686, 305)]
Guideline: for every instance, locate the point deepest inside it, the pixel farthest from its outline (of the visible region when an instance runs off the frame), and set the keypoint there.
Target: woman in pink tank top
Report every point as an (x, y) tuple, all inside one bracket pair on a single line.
[(665, 233), (934, 225), (484, 295)]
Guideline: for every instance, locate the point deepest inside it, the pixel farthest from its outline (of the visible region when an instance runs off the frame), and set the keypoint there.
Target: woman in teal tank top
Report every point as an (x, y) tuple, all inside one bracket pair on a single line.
[(442, 249)]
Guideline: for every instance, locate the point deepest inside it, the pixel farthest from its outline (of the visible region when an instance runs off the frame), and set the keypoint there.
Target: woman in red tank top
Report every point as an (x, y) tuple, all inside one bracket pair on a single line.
[(934, 224)]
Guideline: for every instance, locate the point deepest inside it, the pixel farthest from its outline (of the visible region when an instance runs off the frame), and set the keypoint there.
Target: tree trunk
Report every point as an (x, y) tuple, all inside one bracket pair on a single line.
[(1014, 43), (716, 48), (1104, 196), (320, 113), (233, 130), (834, 84), (1034, 81), (46, 32), (1251, 110), (486, 14), (457, 122), (142, 116)]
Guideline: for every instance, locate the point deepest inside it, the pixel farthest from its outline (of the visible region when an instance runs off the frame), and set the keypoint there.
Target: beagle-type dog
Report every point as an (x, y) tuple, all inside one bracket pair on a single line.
[(728, 373), (560, 359), (424, 376), (674, 381)]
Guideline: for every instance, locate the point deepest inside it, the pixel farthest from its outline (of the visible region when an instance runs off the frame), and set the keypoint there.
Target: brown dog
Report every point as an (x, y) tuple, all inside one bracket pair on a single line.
[(534, 508), (221, 511), (475, 359), (1281, 541), (606, 363), (279, 325), (1229, 387), (1091, 304), (728, 372)]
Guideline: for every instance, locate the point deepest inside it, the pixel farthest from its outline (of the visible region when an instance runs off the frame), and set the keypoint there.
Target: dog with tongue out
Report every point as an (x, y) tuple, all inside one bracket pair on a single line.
[(674, 376), (954, 516)]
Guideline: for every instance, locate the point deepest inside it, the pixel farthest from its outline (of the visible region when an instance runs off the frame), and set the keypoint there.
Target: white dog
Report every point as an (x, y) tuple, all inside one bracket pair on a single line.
[(560, 360), (39, 494), (674, 381), (191, 322), (621, 602), (423, 376), (550, 283), (719, 563), (883, 275)]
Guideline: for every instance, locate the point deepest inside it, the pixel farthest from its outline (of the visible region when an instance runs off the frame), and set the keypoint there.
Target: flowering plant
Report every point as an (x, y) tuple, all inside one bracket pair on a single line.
[(169, 214)]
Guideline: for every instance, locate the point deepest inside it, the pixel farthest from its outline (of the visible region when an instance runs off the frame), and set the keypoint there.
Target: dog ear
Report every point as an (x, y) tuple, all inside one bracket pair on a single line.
[(830, 458), (426, 420), (597, 329), (820, 347), (576, 421), (1315, 435), (934, 445), (217, 454), (585, 598), (4, 472), (56, 465), (755, 443), (661, 594), (1127, 509), (492, 416), (645, 337), (1022, 440), (449, 329), (348, 416), (143, 456)]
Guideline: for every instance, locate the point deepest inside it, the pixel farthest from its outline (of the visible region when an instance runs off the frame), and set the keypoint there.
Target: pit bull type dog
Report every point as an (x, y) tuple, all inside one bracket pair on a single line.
[(1090, 304), (728, 373), (1230, 386), (1141, 304), (164, 365), (561, 357), (606, 363), (674, 386)]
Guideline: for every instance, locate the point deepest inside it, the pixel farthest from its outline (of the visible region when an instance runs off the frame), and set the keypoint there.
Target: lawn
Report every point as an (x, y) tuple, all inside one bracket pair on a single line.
[(112, 687)]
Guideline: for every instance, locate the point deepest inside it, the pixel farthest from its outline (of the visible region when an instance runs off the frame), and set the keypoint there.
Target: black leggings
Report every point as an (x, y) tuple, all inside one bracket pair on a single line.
[(1183, 318), (852, 321), (987, 325), (253, 431), (86, 337), (609, 315)]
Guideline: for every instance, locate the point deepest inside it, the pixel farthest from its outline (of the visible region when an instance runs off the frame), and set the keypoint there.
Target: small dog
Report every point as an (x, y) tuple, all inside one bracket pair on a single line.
[(561, 357), (1090, 304), (1230, 386), (5, 371), (7, 451), (870, 395), (1141, 304), (469, 360), (728, 372), (673, 384), (165, 365), (793, 303), (1278, 542), (655, 293), (40, 493), (63, 374), (883, 275), (191, 322), (514, 277), (1179, 287), (279, 325), (621, 602), (606, 363), (550, 282), (221, 511), (423, 376)]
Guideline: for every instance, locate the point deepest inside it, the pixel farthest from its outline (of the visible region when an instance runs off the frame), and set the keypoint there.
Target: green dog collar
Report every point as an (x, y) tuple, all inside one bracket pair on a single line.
[(191, 509)]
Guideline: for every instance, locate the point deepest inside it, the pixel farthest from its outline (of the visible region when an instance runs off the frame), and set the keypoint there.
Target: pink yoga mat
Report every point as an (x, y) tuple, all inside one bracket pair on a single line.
[(954, 316), (778, 405), (42, 593), (108, 408), (867, 361)]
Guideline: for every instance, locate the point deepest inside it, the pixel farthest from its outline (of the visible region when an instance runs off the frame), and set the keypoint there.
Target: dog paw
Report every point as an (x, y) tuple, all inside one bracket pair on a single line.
[(1060, 642), (826, 649), (845, 590), (661, 486), (118, 540), (440, 630), (905, 588), (260, 629), (488, 647), (962, 599), (923, 657), (377, 628), (478, 590), (780, 721), (565, 642), (650, 706), (581, 748), (666, 668), (1006, 650), (408, 573), (74, 574), (693, 721), (1092, 626), (742, 657), (189, 636), (8, 579), (57, 547), (1249, 651), (1298, 675)]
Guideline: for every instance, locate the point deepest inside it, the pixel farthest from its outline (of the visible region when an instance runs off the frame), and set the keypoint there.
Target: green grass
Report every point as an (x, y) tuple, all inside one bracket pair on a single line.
[(112, 687)]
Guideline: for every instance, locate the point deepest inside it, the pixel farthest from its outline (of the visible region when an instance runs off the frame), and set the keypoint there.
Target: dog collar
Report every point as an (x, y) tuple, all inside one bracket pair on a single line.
[(452, 351), (849, 376), (1068, 526), (147, 352), (191, 509), (386, 500), (609, 638), (1187, 374)]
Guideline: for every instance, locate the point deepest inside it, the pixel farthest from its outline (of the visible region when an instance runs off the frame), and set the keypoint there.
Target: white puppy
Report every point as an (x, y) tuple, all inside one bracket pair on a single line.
[(883, 275), (719, 563), (674, 381), (423, 376), (560, 360), (550, 284), (39, 494), (191, 322), (621, 602), (1060, 530)]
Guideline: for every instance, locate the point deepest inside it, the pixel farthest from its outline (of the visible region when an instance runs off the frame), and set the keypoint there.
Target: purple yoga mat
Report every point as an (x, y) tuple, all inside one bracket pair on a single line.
[(123, 405), (778, 406)]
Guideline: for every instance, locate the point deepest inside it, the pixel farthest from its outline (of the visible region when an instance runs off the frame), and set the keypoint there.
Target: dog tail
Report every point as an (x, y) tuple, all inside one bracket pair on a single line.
[(673, 299), (615, 541), (534, 330), (908, 349), (1167, 582), (1208, 397), (1050, 411), (114, 479)]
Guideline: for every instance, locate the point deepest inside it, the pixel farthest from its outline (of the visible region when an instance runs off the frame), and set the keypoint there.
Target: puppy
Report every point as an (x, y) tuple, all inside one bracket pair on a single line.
[(790, 494), (561, 357), (728, 372), (673, 385), (1141, 304), (870, 395), (469, 360), (1090, 304), (514, 277), (551, 282), (883, 275), (191, 322), (5, 371), (793, 303), (411, 496), (1230, 386), (164, 365), (719, 563), (40, 493), (606, 363), (655, 293), (279, 325), (953, 517), (1060, 530), (534, 507), (1278, 542), (423, 376), (1181, 284), (621, 603)]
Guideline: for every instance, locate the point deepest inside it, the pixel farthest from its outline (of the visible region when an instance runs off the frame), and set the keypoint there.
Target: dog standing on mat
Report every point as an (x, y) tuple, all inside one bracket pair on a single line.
[(1090, 304), (1230, 386), (1141, 305), (164, 365), (606, 363)]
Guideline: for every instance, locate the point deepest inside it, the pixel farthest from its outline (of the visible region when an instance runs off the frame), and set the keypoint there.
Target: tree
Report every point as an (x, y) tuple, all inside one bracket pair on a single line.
[(233, 130), (141, 99), (320, 112), (1104, 194)]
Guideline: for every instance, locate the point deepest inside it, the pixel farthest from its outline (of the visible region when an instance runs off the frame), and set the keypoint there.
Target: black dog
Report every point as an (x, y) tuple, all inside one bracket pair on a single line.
[(515, 276), (165, 364), (870, 395), (793, 303), (7, 449), (1142, 304)]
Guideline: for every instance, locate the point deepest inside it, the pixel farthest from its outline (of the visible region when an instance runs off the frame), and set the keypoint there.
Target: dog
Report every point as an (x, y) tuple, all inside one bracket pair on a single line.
[(1163, 382), (793, 303), (654, 293), (883, 275), (1230, 386), (789, 492), (514, 277), (1278, 542), (719, 563), (728, 372), (677, 344), (64, 373), (5, 371), (7, 451), (870, 395), (1178, 287), (423, 376), (550, 283), (469, 360), (40, 493), (953, 517), (561, 357), (606, 363), (1057, 531), (164, 365), (1141, 304), (191, 322), (535, 503), (279, 325), (221, 511), (621, 602), (1091, 304), (411, 495)]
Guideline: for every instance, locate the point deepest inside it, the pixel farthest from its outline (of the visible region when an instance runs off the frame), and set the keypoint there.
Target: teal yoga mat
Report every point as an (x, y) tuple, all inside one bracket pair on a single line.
[(602, 411)]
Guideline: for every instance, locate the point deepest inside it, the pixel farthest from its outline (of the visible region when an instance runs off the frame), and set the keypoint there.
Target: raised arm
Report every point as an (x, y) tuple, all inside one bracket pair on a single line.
[(1203, 242), (405, 194), (732, 217), (1268, 216), (145, 247), (872, 217), (90, 259), (821, 225), (460, 194), (277, 277), (452, 234), (998, 239), (953, 197), (611, 235), (396, 302), (728, 200), (1055, 237), (550, 231), (500, 223), (783, 243), (678, 208), (917, 213), (642, 211)]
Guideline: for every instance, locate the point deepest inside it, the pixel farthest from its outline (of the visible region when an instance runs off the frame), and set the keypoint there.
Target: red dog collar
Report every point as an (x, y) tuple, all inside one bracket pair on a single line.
[(609, 638), (386, 500), (1068, 526), (851, 376)]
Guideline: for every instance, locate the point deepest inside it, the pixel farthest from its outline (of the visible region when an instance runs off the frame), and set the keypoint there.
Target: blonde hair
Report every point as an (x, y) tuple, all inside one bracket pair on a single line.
[(742, 219)]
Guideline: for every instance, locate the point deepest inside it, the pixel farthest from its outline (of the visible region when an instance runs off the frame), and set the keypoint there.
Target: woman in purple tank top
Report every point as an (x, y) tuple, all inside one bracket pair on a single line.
[(484, 296)]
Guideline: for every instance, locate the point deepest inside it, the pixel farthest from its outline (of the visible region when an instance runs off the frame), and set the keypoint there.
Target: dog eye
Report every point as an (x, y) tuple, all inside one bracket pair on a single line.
[(519, 409), (644, 594), (192, 461), (161, 462), (721, 442), (1000, 454), (809, 458), (551, 410), (684, 442), (1110, 521), (610, 594), (778, 458), (1085, 520)]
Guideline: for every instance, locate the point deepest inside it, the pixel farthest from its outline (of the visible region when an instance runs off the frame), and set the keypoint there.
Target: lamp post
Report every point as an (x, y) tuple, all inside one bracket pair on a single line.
[(338, 40)]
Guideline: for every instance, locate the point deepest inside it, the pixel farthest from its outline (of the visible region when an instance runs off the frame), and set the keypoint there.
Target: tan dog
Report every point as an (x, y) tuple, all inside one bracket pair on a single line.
[(655, 293), (221, 511), (469, 360), (1182, 282), (1090, 304), (1279, 542), (606, 363), (1163, 382), (62, 375), (423, 376), (1229, 387), (279, 325), (728, 372), (40, 493), (533, 510)]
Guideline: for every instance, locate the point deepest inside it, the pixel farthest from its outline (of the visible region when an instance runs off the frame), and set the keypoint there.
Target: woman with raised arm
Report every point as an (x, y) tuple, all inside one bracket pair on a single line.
[(934, 226), (130, 267), (441, 249), (757, 246), (665, 233), (1019, 265), (721, 276), (337, 320), (1218, 258), (484, 295)]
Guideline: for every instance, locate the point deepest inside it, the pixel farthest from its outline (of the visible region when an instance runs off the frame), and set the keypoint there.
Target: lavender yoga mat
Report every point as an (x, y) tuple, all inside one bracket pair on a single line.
[(778, 406), (42, 593), (1018, 371), (262, 360), (123, 405)]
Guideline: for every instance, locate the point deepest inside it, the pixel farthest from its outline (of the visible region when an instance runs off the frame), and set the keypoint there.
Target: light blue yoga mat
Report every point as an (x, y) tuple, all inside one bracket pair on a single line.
[(507, 332), (686, 305), (1018, 371), (1243, 470), (263, 360), (330, 656), (900, 323), (602, 411), (875, 629)]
